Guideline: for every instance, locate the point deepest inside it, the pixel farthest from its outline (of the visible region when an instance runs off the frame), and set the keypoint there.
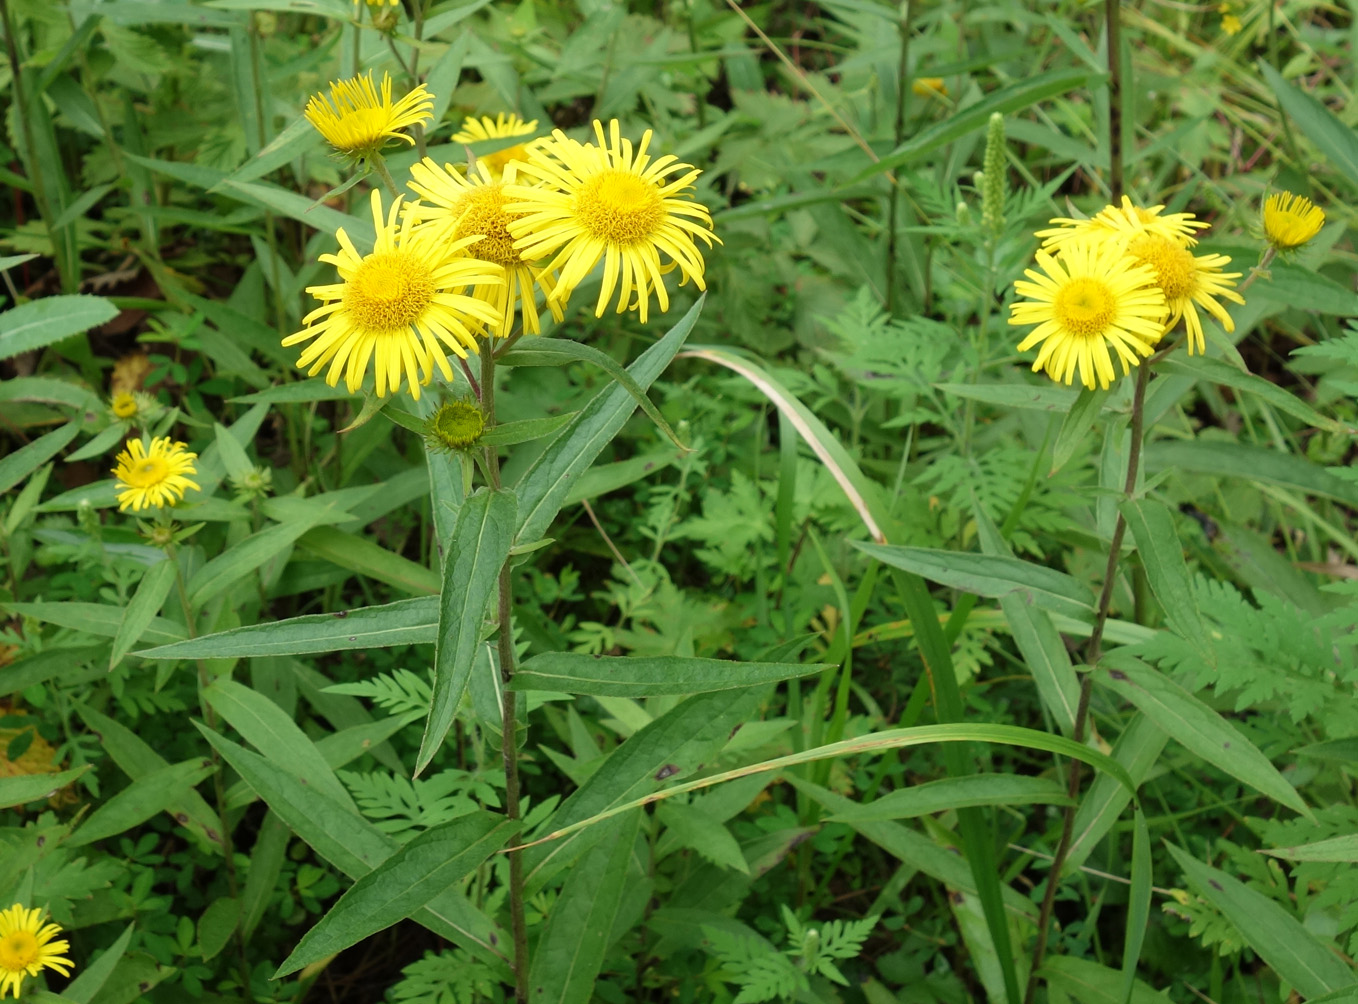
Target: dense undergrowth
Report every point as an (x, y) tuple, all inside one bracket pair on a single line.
[(826, 568)]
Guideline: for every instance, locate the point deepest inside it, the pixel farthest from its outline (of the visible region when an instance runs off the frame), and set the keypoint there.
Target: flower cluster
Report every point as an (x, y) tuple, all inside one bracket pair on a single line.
[(1120, 280), (479, 244)]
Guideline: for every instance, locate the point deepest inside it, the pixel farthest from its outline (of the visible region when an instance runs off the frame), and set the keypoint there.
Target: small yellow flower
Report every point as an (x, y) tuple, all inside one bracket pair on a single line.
[(1230, 24), (400, 306), (123, 405), (613, 204), (1091, 298), (27, 948), (358, 122), (157, 477), (475, 207), (929, 87), (1188, 281), (502, 127), (1291, 220), (1123, 222)]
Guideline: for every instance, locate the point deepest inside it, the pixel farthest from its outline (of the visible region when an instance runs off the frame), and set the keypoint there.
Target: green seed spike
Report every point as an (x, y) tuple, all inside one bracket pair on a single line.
[(992, 185)]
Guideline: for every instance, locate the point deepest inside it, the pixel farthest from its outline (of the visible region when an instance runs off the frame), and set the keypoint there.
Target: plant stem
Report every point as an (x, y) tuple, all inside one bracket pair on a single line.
[(379, 167), (1092, 654), (1112, 17), (509, 708), (894, 209)]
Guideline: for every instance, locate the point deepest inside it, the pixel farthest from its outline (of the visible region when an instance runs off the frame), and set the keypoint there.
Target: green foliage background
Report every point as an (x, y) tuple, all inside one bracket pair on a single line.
[(231, 771)]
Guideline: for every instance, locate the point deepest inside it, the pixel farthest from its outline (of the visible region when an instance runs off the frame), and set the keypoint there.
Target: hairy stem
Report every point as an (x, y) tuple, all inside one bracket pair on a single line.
[(379, 167)]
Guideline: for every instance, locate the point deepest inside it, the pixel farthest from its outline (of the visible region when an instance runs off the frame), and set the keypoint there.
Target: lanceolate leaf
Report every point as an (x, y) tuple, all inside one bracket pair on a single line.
[(544, 487), (405, 622), (402, 884), (24, 461), (648, 676), (955, 792), (40, 323), (479, 547), (151, 592), (143, 798), (1197, 727), (31, 787), (1157, 541), (1293, 952)]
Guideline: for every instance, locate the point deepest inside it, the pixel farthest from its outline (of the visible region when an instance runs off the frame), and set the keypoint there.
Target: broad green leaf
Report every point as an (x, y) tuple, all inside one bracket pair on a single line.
[(28, 458), (648, 676), (1017, 96), (266, 864), (1037, 639), (40, 323), (49, 390), (989, 575), (150, 596), (31, 787), (238, 561), (272, 731), (555, 351), (1137, 749), (100, 444), (1196, 727), (473, 558), (366, 557), (298, 138), (954, 792), (217, 923), (604, 478), (405, 622), (526, 430), (1046, 397), (145, 797), (92, 977), (1220, 372), (95, 618), (40, 668), (1252, 463), (1090, 983), (1333, 138), (138, 760), (234, 458), (299, 392), (354, 845), (579, 929), (1139, 903), (1162, 556), (1293, 952), (544, 486), (1343, 848), (1077, 425), (1305, 288), (402, 884), (690, 826)]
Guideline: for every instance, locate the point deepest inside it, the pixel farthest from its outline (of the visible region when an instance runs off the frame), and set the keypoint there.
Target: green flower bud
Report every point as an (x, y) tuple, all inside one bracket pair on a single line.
[(457, 425)]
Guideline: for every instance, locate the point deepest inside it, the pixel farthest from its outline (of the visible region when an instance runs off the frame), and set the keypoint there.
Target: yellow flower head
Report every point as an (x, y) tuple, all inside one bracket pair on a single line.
[(27, 948), (1291, 220), (358, 122), (1188, 281), (502, 127), (157, 477), (1091, 298), (400, 306), (1230, 24), (475, 207), (929, 87), (1125, 222), (123, 405), (613, 204)]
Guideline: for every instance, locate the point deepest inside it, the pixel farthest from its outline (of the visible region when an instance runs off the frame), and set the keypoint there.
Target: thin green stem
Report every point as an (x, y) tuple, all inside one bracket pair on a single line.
[(379, 167), (1113, 22), (509, 709), (894, 207)]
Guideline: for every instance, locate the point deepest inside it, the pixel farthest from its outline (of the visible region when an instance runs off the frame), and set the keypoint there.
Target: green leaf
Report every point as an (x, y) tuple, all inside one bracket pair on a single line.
[(648, 676), (556, 351), (474, 557), (1218, 371), (954, 792), (1162, 556), (604, 478), (1332, 137), (1343, 848), (31, 787), (989, 575), (1139, 903), (1293, 952), (1252, 463), (1077, 425), (544, 486), (1026, 92), (405, 622), (271, 730), (525, 430), (366, 557), (151, 592), (51, 662), (238, 561), (28, 458), (1296, 286), (1196, 727), (1046, 398), (92, 977), (402, 884), (354, 845), (145, 797), (1090, 983), (40, 323), (94, 618), (216, 925), (570, 951)]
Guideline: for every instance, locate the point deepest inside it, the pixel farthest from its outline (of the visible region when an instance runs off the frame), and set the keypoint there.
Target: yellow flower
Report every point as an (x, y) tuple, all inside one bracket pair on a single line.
[(123, 405), (153, 478), (613, 204), (358, 122), (929, 87), (1291, 220), (1230, 24), (400, 306), (1188, 281), (475, 208), (1089, 299), (1124, 221), (502, 127), (27, 948)]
